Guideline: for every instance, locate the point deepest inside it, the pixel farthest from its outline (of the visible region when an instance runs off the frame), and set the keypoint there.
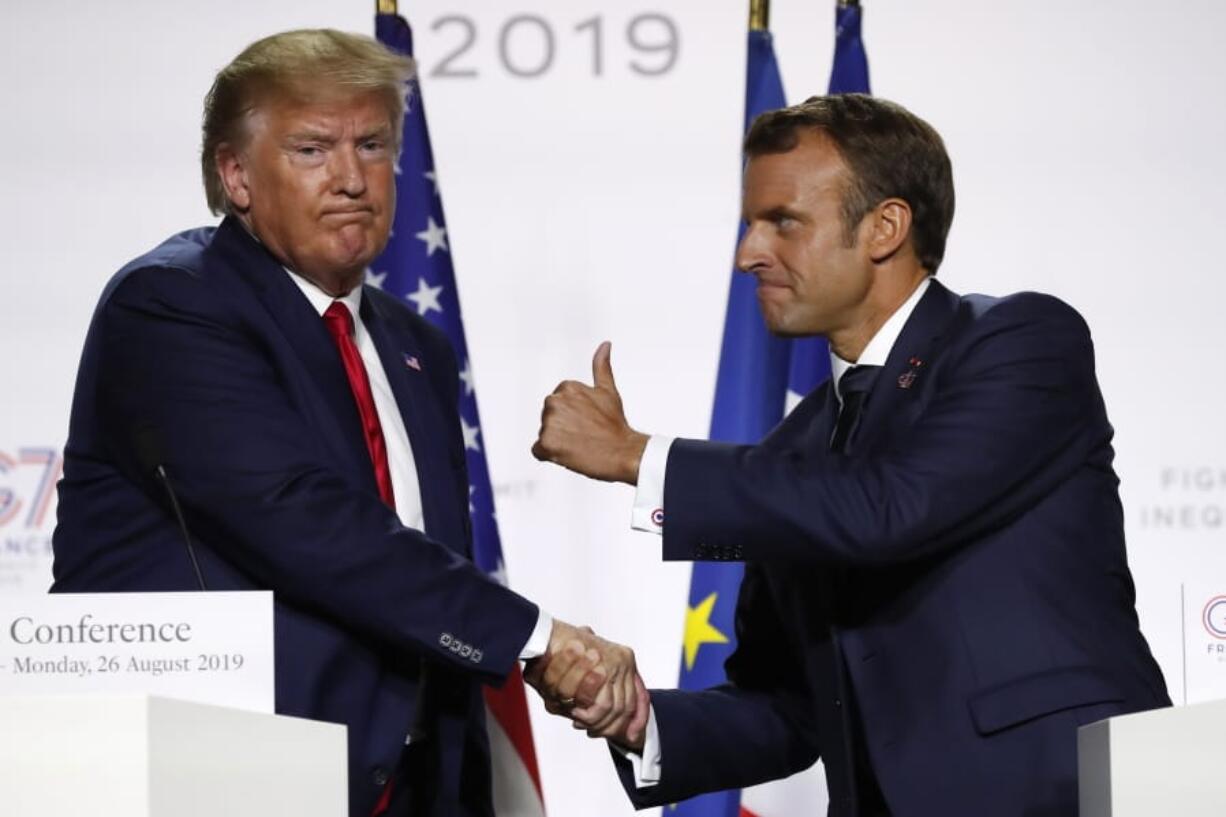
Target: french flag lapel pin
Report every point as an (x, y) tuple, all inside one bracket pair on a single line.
[(412, 362), (907, 379)]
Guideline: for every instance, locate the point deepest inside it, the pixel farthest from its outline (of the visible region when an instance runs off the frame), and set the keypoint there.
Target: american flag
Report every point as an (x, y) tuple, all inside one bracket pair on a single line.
[(417, 267)]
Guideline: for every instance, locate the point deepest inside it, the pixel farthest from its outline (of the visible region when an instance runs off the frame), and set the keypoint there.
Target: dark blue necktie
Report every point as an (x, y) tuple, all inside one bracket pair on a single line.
[(854, 387)]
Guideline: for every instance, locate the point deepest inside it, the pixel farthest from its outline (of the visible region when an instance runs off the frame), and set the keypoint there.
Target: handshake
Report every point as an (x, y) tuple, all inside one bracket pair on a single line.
[(593, 682), (583, 677)]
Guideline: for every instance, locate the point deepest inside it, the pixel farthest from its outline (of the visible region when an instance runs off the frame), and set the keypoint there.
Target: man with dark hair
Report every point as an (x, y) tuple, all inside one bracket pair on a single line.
[(252, 364), (889, 151), (936, 592)]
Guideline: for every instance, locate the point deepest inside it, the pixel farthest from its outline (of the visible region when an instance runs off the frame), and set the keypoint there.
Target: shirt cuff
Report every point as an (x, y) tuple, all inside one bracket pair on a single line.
[(538, 642), (646, 766), (648, 512)]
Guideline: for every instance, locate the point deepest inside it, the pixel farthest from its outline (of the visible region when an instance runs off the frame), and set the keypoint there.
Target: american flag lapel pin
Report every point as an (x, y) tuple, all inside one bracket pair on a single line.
[(412, 362), (907, 379)]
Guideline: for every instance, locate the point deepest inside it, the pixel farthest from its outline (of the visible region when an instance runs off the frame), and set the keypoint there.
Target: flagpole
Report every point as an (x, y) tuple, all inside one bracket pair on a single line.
[(385, 6), (843, 4), (759, 15)]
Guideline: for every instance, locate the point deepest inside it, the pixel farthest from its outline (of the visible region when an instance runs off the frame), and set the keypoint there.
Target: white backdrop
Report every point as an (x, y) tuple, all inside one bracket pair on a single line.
[(1087, 147)]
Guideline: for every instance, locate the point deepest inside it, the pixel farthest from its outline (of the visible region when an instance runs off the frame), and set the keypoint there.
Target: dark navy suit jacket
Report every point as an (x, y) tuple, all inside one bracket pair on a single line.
[(964, 562), (208, 348)]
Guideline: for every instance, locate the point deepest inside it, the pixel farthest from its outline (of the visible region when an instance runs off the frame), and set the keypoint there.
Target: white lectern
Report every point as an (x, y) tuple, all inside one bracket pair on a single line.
[(1163, 762), (141, 756)]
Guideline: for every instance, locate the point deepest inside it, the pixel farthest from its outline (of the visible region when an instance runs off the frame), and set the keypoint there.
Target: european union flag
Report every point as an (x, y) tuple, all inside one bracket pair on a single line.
[(749, 401), (416, 265), (810, 357), (761, 377)]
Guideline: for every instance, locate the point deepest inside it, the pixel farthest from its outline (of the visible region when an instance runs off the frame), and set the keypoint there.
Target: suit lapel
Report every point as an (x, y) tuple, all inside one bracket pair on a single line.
[(910, 360), (341, 428), (426, 426)]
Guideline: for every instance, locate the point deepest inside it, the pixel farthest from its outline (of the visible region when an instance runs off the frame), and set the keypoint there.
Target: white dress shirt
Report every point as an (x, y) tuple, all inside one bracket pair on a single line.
[(405, 487), (648, 511)]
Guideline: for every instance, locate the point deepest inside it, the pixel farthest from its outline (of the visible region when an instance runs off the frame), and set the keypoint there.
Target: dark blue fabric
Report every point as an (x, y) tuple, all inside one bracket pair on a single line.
[(208, 344), (965, 560)]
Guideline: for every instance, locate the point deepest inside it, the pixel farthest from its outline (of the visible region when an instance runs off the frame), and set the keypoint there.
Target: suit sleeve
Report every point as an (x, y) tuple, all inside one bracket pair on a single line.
[(1011, 418), (757, 727), (248, 473)]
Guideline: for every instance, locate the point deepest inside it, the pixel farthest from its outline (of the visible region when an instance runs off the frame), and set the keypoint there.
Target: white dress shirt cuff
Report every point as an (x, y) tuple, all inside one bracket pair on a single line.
[(646, 766), (648, 512), (538, 642)]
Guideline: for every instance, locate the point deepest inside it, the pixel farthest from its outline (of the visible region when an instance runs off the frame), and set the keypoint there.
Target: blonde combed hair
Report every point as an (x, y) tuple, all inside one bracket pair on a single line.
[(303, 65)]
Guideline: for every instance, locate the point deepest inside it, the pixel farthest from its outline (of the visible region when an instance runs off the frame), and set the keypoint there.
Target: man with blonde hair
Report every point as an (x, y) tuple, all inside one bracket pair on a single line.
[(249, 363)]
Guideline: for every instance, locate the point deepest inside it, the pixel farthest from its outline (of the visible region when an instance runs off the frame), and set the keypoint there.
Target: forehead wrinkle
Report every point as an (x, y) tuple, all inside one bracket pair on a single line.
[(798, 178), (307, 122)]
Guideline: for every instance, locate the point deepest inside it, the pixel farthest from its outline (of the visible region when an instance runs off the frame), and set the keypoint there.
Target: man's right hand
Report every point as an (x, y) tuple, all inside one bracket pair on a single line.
[(584, 427), (592, 681)]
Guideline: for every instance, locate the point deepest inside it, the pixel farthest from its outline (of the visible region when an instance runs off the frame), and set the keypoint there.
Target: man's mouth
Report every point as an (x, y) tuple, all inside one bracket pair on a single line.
[(770, 286), (348, 211)]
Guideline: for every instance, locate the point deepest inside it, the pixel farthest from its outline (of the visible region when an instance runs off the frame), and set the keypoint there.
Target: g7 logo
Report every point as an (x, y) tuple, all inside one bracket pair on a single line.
[(33, 474), (1214, 617)]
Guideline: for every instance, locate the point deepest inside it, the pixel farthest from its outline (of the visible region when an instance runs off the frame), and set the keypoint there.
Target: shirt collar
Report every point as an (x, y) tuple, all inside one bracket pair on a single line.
[(321, 300), (878, 349)]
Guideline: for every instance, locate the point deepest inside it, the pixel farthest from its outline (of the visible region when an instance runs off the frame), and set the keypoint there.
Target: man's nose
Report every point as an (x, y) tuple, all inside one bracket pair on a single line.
[(751, 250), (348, 175)]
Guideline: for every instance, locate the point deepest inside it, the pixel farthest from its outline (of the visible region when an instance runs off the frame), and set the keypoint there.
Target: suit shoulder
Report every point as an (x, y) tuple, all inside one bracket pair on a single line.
[(1022, 307), (182, 253), (991, 332)]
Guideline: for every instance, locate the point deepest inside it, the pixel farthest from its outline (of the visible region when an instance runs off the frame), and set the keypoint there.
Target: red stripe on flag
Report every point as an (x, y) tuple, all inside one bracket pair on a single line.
[(509, 706), (747, 813)]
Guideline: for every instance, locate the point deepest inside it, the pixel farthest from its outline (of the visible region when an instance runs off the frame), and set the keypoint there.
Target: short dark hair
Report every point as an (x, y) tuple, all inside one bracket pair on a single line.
[(890, 152)]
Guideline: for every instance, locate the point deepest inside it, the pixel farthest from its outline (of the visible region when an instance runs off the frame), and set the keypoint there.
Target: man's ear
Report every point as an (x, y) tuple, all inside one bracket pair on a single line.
[(232, 168), (890, 228)]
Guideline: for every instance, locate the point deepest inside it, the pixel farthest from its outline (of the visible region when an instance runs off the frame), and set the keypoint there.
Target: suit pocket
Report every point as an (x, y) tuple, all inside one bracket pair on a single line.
[(1033, 696)]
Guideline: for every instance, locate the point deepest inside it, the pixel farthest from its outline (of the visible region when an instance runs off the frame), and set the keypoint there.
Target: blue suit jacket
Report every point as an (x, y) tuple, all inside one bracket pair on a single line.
[(964, 561), (207, 345)]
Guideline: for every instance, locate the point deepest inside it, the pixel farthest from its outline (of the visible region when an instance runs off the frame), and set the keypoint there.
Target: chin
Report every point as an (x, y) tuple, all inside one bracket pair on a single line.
[(349, 258), (785, 326)]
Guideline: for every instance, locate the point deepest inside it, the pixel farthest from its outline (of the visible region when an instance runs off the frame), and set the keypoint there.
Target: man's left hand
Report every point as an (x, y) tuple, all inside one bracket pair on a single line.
[(584, 428)]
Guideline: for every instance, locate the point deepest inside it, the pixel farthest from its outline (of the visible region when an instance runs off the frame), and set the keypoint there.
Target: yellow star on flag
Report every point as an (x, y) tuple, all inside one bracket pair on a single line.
[(699, 630)]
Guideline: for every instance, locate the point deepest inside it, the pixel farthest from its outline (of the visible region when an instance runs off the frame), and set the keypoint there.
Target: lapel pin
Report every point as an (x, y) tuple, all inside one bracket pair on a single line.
[(907, 379), (412, 362)]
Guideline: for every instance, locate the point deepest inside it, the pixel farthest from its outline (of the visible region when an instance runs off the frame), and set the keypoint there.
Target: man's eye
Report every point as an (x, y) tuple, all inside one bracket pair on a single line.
[(373, 146), (308, 150)]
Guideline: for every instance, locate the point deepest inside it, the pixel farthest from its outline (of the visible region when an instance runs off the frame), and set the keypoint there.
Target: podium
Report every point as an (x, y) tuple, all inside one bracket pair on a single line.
[(143, 756), (1162, 762)]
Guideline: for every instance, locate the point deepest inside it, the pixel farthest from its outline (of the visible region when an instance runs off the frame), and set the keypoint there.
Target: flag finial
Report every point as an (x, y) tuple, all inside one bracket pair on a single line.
[(759, 15), (385, 6), (849, 4)]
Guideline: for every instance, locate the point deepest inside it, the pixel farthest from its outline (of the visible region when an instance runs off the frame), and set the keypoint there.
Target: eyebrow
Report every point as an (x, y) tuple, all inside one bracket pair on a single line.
[(383, 130), (775, 213), (310, 136)]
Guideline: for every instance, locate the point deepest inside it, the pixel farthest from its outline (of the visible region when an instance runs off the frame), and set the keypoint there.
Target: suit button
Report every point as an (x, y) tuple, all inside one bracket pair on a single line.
[(838, 704), (379, 776)]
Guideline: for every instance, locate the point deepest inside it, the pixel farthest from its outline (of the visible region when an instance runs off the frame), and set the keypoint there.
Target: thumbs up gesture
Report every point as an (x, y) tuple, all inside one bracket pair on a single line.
[(584, 428)]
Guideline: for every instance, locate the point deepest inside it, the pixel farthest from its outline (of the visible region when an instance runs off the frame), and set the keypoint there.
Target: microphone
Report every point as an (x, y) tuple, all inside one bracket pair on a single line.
[(149, 454)]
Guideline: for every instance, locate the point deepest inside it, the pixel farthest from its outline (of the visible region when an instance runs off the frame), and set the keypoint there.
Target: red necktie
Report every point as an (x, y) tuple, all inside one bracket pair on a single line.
[(340, 326)]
